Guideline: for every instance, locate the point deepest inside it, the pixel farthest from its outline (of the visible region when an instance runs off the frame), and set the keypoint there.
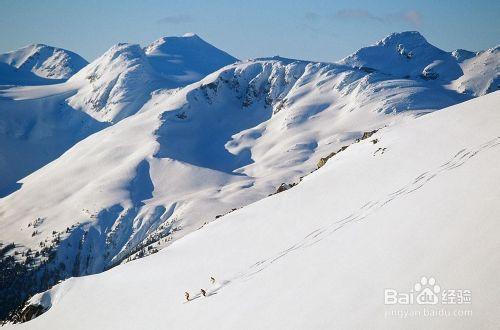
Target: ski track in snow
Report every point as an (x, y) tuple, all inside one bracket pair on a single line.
[(317, 235)]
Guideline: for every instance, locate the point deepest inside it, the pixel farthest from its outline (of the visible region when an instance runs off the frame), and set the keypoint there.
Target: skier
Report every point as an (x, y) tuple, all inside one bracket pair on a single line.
[(186, 294), (212, 280), (204, 293)]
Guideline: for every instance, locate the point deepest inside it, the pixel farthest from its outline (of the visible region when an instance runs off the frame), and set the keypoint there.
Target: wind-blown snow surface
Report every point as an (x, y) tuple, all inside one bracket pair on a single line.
[(321, 254), (42, 61)]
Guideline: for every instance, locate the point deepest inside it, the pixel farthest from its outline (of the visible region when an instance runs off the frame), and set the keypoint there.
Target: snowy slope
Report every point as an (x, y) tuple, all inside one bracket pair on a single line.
[(36, 130), (321, 254), (178, 158), (44, 61)]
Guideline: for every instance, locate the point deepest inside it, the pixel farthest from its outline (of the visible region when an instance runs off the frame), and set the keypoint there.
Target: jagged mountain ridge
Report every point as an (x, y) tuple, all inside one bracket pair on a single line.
[(187, 155)]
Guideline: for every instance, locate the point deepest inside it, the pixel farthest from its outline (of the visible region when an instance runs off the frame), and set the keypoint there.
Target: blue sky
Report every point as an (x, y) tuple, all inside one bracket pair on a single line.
[(314, 30)]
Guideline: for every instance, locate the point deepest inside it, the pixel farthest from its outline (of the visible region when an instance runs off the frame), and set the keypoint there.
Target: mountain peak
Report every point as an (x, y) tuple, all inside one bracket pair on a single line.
[(116, 59), (45, 61), (34, 46), (123, 77), (172, 44), (405, 54), (408, 38), (127, 50), (182, 56), (190, 35)]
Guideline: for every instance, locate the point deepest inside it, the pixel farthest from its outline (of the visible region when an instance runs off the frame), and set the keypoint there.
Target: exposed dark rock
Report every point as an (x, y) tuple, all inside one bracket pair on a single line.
[(429, 75), (181, 115), (367, 69), (284, 186), (28, 313), (366, 135), (322, 161)]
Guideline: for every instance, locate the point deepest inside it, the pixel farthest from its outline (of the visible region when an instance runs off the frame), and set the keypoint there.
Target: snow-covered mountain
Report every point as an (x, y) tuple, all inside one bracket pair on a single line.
[(481, 73), (406, 54), (386, 213), (168, 158), (118, 83), (409, 55), (42, 61), (39, 123)]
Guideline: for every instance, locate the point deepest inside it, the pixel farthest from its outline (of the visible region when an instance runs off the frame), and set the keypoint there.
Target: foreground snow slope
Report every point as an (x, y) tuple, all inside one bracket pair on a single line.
[(321, 254)]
